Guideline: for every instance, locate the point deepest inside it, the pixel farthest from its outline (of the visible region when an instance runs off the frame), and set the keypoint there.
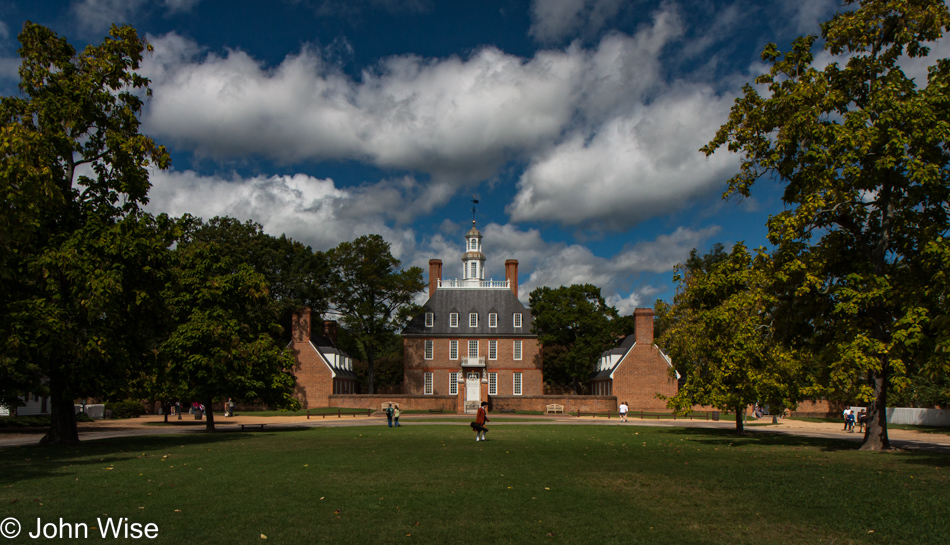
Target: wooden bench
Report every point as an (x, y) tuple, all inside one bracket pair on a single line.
[(259, 426), (554, 408), (439, 410)]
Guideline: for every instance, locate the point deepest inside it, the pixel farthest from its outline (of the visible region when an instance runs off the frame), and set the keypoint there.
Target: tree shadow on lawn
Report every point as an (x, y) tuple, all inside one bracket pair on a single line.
[(728, 438), (25, 463)]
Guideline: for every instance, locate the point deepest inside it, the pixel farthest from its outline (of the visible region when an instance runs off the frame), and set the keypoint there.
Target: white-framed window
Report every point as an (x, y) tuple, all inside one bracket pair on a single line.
[(516, 382), (493, 350), (516, 350), (454, 319), (474, 269), (453, 350), (453, 384), (428, 384), (428, 354), (473, 349), (430, 319), (493, 319), (473, 244), (473, 320), (492, 384), (518, 320)]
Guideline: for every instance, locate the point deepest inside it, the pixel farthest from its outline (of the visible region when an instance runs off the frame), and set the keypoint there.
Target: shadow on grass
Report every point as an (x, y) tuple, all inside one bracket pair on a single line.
[(729, 438), (25, 463)]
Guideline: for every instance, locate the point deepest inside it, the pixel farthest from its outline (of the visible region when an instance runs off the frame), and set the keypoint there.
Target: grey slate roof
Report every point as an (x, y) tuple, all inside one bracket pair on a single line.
[(326, 347), (464, 301), (622, 348)]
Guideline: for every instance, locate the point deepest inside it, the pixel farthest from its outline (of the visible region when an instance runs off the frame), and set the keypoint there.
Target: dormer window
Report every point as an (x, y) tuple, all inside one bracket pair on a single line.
[(473, 320), (472, 244), (454, 319), (430, 319), (518, 320), (493, 319)]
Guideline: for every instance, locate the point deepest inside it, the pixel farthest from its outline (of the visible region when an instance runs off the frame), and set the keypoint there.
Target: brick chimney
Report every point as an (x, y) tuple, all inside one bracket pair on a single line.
[(300, 326), (643, 325), (329, 330), (511, 275), (435, 274)]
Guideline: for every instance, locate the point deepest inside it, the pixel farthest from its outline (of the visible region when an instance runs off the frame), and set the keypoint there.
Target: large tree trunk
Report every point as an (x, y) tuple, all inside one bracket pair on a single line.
[(875, 433), (740, 414), (370, 372), (209, 417), (62, 429)]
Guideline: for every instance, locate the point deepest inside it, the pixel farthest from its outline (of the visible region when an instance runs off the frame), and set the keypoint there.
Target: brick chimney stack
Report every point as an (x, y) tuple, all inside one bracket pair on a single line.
[(643, 325), (511, 275), (435, 274), (329, 330), (300, 326)]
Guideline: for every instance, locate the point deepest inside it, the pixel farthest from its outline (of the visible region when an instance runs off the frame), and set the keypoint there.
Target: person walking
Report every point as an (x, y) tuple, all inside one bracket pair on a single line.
[(481, 418), (844, 415), (396, 412), (389, 415), (862, 420), (623, 411)]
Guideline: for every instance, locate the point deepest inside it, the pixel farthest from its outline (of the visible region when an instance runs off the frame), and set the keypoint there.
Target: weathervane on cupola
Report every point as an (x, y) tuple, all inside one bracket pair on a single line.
[(473, 260)]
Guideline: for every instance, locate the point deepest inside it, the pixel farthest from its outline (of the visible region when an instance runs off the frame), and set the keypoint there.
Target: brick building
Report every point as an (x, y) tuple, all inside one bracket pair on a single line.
[(636, 370), (321, 368), (473, 339)]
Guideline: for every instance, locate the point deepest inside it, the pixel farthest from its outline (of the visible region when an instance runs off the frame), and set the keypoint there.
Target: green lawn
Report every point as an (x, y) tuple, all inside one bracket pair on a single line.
[(528, 484)]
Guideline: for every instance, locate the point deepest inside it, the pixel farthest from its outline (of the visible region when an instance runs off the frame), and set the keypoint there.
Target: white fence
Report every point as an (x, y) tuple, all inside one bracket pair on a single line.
[(915, 417), (919, 417)]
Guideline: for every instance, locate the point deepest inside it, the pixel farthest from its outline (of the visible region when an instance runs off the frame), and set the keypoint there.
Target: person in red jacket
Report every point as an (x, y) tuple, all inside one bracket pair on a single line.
[(479, 424)]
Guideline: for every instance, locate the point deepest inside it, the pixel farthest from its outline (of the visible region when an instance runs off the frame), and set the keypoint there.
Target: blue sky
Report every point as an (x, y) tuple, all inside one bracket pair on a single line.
[(575, 123)]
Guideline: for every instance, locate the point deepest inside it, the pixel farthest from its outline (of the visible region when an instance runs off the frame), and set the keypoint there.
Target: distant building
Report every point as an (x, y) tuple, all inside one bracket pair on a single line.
[(473, 338), (33, 405), (636, 370), (321, 368)]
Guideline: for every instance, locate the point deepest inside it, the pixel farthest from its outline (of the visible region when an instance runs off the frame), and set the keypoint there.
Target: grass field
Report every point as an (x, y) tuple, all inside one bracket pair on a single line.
[(528, 484)]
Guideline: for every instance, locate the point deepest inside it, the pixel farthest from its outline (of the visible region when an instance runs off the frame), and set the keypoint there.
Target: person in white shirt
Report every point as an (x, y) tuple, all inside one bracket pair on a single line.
[(623, 411)]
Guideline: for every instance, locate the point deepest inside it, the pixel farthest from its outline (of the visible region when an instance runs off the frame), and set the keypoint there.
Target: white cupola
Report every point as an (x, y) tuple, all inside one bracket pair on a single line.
[(473, 260)]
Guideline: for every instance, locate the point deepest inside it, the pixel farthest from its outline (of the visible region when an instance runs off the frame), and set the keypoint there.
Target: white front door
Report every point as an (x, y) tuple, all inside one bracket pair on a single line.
[(472, 393)]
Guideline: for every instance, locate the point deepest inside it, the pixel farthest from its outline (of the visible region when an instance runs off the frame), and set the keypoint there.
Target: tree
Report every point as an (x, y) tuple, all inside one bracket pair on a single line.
[(574, 326), (862, 152), (80, 262), (222, 341), (296, 276), (719, 336), (373, 298)]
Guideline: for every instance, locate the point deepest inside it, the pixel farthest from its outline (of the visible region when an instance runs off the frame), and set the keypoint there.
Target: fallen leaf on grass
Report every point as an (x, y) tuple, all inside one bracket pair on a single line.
[(263, 536)]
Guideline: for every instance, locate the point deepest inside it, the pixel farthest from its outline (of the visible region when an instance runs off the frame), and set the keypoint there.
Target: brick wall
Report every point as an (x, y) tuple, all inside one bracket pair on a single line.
[(406, 402), (642, 374), (314, 380), (540, 403)]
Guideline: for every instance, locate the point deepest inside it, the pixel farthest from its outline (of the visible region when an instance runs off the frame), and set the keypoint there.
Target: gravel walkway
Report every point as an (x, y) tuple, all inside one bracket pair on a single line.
[(151, 425)]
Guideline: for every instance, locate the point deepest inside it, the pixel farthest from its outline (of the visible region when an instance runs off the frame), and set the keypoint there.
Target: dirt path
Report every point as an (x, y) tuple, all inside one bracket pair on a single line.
[(153, 425)]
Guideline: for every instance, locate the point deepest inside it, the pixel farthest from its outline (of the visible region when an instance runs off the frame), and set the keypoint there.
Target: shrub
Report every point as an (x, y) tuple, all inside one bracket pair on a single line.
[(126, 409), (83, 417), (24, 421)]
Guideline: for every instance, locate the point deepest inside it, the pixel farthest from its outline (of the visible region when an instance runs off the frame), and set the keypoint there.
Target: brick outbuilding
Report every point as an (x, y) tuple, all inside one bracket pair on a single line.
[(321, 368), (636, 370)]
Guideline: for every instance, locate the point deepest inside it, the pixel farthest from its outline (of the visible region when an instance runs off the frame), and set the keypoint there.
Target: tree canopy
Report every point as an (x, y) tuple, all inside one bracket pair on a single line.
[(370, 293), (719, 336), (81, 263), (222, 341), (862, 151), (574, 326)]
